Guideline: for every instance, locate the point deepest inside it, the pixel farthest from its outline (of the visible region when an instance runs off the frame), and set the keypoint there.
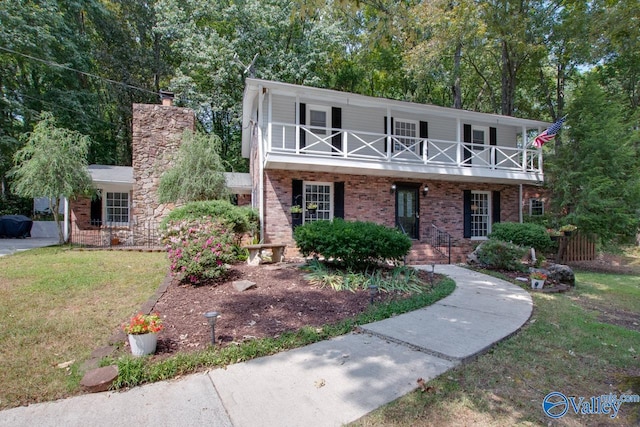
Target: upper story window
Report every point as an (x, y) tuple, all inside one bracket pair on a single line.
[(480, 214), (479, 135), (407, 129), (117, 208), (536, 207), (318, 119), (320, 194)]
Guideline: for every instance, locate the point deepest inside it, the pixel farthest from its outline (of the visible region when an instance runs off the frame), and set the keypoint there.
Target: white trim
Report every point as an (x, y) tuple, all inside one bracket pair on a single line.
[(531, 200), (326, 129), (304, 197), (488, 214)]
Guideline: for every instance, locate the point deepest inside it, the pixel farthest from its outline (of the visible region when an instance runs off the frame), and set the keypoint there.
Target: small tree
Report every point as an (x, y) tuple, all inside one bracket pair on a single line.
[(53, 164), (198, 172)]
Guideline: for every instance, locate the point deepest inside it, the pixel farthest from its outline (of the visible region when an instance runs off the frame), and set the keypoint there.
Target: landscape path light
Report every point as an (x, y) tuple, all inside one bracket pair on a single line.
[(212, 316)]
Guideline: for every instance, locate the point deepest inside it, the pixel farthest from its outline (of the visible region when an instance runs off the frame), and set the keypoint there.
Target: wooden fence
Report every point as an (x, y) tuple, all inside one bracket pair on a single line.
[(577, 247)]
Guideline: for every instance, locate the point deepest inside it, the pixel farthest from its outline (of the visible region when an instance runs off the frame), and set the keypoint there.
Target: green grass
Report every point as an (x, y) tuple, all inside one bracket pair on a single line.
[(135, 371), (58, 305), (565, 347)]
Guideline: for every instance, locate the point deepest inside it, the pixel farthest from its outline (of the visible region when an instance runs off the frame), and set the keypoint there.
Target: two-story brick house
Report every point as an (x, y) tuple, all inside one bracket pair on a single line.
[(439, 174)]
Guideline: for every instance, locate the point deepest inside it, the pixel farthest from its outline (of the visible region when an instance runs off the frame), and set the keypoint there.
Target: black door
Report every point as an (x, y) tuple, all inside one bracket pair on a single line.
[(408, 210)]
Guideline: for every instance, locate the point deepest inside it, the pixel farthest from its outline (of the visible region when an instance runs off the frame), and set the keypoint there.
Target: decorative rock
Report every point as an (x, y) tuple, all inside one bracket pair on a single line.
[(243, 285), (99, 379), (562, 273)]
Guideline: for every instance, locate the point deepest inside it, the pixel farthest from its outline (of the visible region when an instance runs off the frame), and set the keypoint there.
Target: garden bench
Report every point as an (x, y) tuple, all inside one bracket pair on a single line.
[(255, 252)]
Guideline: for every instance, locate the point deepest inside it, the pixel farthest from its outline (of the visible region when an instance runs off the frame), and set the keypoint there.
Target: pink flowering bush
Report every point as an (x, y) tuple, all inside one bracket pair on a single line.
[(198, 249)]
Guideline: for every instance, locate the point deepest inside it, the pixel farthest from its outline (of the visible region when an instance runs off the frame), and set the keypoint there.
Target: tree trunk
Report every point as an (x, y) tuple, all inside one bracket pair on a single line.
[(457, 92), (508, 81), (55, 209)]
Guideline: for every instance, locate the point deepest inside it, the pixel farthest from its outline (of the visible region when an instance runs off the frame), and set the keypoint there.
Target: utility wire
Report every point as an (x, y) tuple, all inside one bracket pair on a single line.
[(64, 67)]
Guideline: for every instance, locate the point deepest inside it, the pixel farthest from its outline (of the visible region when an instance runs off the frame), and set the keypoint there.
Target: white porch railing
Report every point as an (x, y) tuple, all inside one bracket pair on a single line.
[(361, 145)]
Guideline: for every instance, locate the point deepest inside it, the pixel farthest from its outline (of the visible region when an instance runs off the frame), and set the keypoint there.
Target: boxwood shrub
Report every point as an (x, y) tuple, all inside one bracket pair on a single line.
[(498, 254), (356, 244), (529, 235), (241, 219)]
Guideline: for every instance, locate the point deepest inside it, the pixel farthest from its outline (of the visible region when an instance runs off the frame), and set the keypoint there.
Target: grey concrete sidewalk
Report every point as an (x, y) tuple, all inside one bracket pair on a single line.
[(324, 384)]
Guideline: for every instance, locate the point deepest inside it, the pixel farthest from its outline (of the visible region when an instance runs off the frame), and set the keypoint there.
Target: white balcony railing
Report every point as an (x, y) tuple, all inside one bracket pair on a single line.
[(369, 146)]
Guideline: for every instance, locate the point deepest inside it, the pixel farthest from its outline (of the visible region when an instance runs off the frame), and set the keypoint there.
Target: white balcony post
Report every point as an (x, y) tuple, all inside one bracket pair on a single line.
[(525, 143), (389, 133), (297, 127), (459, 148), (345, 149)]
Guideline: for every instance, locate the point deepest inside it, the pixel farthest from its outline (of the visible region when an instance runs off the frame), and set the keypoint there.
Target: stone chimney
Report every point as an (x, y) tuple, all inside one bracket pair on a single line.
[(157, 132)]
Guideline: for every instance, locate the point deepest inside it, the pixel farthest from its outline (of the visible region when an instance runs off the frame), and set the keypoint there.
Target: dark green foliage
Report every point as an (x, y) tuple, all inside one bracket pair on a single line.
[(528, 235), (16, 205), (356, 244), (496, 253), (241, 219)]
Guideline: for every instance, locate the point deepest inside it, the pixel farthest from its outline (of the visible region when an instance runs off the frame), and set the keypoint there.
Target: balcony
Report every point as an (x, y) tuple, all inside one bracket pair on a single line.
[(294, 147)]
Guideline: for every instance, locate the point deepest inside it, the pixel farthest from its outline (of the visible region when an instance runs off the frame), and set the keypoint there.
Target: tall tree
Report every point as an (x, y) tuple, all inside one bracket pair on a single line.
[(53, 164), (594, 176)]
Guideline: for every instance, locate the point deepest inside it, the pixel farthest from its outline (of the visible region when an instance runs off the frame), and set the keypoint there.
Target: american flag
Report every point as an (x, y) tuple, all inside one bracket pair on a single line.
[(548, 134)]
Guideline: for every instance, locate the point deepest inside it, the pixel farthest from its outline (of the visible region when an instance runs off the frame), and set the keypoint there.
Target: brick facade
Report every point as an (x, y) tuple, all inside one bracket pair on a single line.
[(368, 198), (535, 192)]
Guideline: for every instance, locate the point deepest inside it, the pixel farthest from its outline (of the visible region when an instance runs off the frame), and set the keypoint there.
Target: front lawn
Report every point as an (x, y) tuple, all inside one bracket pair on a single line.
[(57, 306)]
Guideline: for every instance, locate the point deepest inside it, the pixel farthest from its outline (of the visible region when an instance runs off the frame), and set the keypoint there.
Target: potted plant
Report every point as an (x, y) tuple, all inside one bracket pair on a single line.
[(296, 211), (142, 330), (568, 229), (537, 279), (554, 234), (312, 208)]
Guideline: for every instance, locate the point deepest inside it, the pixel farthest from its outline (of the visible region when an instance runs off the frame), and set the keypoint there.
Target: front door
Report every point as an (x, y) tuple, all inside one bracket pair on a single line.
[(407, 211)]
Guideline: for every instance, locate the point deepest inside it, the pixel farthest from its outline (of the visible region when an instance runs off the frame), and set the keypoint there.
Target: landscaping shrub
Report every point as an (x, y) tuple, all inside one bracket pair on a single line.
[(356, 244), (499, 254), (529, 235), (198, 249), (241, 219)]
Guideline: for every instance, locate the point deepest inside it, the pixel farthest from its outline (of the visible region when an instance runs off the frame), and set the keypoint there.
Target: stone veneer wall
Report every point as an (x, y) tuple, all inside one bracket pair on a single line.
[(368, 198), (157, 131)]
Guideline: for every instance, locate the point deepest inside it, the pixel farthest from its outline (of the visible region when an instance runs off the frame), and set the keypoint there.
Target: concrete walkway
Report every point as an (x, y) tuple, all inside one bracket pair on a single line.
[(324, 384), (11, 246)]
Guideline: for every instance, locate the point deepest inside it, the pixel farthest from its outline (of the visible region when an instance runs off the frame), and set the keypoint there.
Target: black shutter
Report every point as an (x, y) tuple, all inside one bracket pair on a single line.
[(493, 140), (336, 123), (386, 131), (338, 200), (303, 121), (296, 199), (467, 148), (466, 200), (495, 207), (96, 211), (424, 133)]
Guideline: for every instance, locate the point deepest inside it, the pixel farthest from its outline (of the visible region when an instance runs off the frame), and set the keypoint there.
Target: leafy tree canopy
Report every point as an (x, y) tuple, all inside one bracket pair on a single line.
[(52, 163), (198, 171)]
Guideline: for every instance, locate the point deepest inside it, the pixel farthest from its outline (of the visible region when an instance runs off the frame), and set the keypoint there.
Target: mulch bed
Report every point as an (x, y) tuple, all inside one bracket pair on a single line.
[(281, 301)]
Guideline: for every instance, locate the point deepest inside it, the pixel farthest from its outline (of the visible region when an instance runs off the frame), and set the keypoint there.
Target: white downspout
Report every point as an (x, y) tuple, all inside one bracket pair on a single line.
[(261, 162), (65, 228), (520, 207)]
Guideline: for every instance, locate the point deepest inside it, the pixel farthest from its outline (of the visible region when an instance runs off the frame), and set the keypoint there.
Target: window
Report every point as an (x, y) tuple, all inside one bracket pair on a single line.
[(480, 214), (319, 193), (536, 207), (478, 135), (318, 119), (117, 208), (407, 129)]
